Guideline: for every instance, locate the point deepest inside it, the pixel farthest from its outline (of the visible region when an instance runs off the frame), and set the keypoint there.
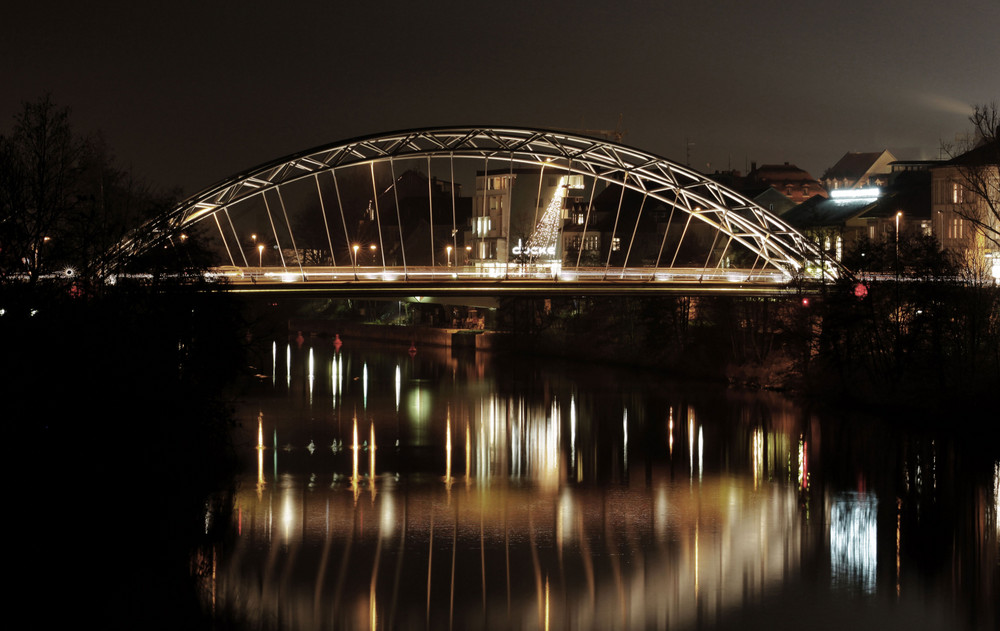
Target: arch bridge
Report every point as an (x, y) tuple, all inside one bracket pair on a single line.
[(487, 210)]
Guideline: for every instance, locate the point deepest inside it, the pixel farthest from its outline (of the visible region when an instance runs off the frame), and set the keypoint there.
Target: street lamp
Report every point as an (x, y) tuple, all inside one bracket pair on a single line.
[(260, 255), (355, 248), (448, 250), (899, 215), (372, 248)]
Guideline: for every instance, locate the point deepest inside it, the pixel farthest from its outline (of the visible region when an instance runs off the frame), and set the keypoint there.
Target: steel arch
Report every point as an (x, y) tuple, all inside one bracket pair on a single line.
[(776, 244)]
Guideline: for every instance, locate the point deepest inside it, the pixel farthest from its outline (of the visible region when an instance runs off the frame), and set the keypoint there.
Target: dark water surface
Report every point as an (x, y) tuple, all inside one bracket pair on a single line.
[(389, 490)]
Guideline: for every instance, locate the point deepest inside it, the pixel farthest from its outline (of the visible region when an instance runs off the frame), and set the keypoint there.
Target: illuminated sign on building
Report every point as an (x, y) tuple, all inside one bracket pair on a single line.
[(533, 250)]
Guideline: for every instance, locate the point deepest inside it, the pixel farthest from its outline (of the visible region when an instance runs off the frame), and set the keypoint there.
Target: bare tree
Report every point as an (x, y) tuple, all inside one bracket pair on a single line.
[(63, 200), (976, 173), (39, 163)]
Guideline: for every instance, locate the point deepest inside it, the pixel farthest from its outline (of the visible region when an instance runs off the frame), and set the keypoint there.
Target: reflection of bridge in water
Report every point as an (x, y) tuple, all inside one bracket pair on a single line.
[(548, 211), (499, 554), (418, 491), (501, 521)]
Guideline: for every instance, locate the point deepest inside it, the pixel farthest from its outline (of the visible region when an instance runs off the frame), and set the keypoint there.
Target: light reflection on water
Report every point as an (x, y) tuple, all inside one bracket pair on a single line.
[(854, 540), (470, 495)]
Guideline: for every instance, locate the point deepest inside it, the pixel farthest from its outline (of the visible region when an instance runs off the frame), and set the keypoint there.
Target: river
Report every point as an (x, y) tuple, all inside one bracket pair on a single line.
[(387, 489)]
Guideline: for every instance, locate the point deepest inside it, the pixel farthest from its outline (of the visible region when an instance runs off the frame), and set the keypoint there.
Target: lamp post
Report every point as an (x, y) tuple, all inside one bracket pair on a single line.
[(899, 215), (355, 248), (448, 250), (372, 247), (260, 255)]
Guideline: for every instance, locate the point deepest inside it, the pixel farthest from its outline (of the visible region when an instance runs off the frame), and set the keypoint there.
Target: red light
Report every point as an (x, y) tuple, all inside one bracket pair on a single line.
[(860, 290), (805, 302)]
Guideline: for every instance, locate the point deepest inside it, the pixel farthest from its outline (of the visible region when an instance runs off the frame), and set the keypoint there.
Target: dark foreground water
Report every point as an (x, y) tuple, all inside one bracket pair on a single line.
[(395, 490)]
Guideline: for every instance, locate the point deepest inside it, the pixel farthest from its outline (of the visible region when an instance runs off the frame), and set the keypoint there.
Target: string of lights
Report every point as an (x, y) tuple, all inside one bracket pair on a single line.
[(546, 233)]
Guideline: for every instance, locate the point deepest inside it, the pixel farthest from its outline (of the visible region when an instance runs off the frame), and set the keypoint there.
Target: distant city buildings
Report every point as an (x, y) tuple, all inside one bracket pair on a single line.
[(876, 197), (859, 170), (776, 187), (794, 183)]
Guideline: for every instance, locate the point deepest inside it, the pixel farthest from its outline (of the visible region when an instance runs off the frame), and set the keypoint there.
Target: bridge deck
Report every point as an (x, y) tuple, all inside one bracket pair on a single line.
[(468, 281)]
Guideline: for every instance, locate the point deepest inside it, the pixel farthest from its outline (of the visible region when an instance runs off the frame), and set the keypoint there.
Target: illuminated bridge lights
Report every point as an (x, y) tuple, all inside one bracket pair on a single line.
[(541, 271), (402, 191)]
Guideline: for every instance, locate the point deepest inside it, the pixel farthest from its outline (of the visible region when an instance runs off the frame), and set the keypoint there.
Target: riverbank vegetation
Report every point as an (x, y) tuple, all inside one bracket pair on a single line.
[(115, 385), (119, 406)]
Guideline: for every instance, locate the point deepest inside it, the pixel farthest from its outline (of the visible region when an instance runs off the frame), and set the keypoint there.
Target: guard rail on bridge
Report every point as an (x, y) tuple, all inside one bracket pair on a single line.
[(521, 279)]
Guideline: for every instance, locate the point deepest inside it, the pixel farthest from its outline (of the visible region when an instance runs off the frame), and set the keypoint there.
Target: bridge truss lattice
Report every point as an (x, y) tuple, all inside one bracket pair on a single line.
[(736, 224)]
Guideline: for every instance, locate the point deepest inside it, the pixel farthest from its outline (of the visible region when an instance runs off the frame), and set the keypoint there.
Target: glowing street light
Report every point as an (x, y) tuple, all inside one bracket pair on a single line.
[(448, 250), (899, 215), (372, 248), (260, 255), (355, 248)]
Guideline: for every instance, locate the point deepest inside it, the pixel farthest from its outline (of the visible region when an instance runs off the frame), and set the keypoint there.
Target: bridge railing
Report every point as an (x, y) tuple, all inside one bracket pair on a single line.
[(513, 273)]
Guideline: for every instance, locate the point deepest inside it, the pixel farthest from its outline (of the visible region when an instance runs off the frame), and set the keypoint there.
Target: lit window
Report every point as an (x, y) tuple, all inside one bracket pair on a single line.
[(956, 229), (616, 244), (482, 226)]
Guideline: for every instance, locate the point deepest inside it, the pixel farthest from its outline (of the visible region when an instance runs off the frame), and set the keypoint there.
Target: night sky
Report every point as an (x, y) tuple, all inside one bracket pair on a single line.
[(188, 93)]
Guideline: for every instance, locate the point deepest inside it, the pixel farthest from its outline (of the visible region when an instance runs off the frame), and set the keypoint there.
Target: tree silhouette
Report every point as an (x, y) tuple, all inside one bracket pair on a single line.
[(63, 201), (39, 168)]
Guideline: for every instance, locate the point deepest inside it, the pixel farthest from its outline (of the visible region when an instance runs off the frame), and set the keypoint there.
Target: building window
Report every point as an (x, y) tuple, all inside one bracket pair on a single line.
[(956, 228), (616, 244), (957, 193), (482, 226)]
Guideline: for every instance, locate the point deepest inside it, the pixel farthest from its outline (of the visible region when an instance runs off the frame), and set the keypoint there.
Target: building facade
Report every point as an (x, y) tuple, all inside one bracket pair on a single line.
[(966, 208), (859, 170)]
